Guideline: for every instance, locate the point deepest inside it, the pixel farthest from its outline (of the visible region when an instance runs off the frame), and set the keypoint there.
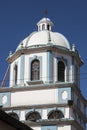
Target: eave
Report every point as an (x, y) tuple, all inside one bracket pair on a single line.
[(13, 122)]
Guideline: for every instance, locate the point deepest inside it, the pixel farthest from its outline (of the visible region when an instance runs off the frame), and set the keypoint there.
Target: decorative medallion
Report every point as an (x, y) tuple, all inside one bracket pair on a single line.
[(64, 95)]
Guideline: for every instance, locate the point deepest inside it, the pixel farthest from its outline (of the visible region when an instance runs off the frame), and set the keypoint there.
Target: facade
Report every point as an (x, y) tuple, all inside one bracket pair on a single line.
[(44, 86)]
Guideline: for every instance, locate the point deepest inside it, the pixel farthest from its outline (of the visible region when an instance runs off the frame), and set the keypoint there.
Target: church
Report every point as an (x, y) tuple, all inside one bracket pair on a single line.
[(44, 85)]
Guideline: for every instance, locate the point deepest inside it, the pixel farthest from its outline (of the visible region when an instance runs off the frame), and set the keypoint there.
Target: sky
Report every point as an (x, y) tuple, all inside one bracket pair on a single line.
[(18, 18)]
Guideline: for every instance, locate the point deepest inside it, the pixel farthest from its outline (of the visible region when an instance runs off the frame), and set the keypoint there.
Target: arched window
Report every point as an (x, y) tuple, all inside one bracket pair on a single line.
[(14, 115), (15, 74), (55, 114), (48, 27), (35, 70), (61, 71), (43, 27), (33, 116)]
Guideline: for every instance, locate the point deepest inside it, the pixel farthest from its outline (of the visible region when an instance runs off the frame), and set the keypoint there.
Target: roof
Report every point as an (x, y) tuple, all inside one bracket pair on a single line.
[(44, 36), (13, 122)]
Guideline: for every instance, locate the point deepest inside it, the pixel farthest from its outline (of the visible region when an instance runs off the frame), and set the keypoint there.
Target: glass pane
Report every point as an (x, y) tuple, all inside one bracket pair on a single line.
[(35, 70), (61, 71)]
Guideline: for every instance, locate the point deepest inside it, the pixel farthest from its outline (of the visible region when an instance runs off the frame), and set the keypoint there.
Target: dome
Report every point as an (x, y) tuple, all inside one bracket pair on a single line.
[(44, 36)]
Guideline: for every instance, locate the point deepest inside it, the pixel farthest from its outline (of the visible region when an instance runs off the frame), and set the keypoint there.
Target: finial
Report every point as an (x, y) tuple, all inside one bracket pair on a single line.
[(10, 53), (73, 47)]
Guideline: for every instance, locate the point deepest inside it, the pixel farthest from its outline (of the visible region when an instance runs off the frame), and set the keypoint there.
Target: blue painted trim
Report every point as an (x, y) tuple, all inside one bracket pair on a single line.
[(72, 94), (8, 103), (10, 82), (60, 91), (49, 127), (22, 60), (66, 67), (73, 69), (29, 69), (49, 74), (15, 63)]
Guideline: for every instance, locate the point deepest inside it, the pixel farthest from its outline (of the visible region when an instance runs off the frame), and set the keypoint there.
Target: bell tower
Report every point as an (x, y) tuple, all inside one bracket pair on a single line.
[(44, 90)]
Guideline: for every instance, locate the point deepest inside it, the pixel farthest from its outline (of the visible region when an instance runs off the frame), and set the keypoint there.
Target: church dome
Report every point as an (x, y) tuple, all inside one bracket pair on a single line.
[(44, 36)]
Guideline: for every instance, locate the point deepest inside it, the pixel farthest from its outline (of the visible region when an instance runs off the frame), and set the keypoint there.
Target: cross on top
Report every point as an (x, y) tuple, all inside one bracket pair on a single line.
[(45, 12)]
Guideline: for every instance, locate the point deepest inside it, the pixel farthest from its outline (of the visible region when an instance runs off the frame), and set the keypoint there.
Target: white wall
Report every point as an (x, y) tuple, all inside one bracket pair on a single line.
[(26, 68), (59, 127), (69, 65), (34, 97), (64, 127), (36, 128), (44, 66)]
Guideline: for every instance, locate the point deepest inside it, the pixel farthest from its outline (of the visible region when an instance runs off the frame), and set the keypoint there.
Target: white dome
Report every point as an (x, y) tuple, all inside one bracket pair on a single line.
[(44, 36)]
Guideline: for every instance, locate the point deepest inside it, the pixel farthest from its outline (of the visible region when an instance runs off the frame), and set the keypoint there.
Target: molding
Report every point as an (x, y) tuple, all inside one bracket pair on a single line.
[(46, 122), (37, 87), (65, 61), (63, 105), (73, 69), (44, 48), (46, 86)]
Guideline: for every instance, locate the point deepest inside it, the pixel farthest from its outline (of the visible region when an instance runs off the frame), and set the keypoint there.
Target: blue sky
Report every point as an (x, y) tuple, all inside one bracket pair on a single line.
[(18, 19)]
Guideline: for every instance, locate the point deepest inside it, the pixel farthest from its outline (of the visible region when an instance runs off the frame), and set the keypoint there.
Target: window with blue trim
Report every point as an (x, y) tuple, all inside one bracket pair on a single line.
[(35, 70), (33, 116), (55, 114), (15, 74), (61, 71)]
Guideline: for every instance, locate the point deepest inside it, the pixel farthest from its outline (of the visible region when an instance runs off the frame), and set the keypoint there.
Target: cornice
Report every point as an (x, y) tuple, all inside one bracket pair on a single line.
[(64, 121), (25, 107), (35, 87), (36, 49), (43, 86)]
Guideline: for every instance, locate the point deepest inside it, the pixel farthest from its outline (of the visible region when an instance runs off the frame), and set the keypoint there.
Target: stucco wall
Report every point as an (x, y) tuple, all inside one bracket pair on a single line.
[(34, 97)]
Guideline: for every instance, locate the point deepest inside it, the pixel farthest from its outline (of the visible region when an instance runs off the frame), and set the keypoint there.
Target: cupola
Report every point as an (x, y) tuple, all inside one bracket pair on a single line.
[(45, 24), (44, 36)]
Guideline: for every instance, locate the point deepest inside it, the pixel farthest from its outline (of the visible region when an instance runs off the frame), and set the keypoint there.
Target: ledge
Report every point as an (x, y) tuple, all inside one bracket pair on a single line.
[(63, 121)]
